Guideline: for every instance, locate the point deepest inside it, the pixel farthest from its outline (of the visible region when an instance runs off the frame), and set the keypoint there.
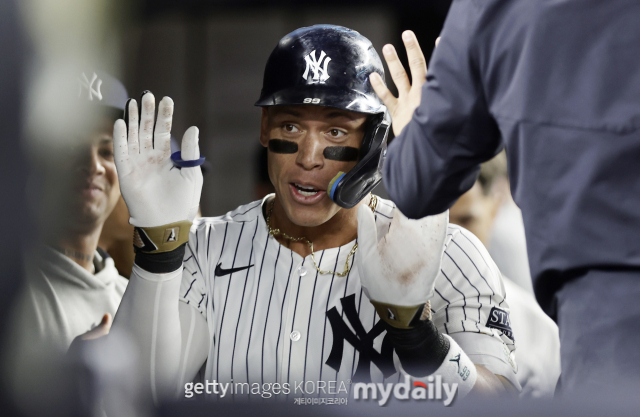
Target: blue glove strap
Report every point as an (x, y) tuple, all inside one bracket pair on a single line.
[(176, 157)]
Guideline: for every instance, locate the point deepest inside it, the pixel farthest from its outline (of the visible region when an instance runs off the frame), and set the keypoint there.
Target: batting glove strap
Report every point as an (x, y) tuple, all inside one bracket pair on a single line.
[(160, 239), (421, 350), (400, 317), (161, 262), (456, 369)]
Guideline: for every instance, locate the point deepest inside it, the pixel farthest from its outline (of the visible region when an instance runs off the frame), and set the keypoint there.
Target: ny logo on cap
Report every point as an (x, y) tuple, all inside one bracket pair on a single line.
[(319, 73), (85, 83)]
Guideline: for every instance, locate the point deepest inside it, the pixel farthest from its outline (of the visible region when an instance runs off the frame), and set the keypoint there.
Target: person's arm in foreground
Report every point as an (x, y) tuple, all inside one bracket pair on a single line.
[(171, 337), (398, 276), (437, 151)]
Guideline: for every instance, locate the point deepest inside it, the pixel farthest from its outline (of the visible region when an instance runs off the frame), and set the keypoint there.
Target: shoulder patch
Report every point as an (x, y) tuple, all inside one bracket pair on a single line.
[(499, 319)]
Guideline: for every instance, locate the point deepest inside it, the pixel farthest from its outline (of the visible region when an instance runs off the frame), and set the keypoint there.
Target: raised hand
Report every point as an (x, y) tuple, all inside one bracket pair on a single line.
[(398, 271), (156, 192), (409, 92)]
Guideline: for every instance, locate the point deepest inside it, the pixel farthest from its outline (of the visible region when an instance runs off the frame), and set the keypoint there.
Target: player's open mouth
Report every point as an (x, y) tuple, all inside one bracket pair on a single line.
[(306, 193), (306, 190)]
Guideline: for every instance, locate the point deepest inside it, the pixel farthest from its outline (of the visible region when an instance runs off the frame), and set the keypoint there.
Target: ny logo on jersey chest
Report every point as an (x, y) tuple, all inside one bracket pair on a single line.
[(320, 71), (361, 340)]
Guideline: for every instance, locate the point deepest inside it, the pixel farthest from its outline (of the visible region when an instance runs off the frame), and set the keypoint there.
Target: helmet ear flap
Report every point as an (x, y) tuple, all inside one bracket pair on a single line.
[(373, 122), (348, 189)]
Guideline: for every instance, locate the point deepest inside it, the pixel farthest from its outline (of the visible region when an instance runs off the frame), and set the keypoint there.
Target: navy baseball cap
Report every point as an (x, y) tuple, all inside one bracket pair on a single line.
[(99, 88)]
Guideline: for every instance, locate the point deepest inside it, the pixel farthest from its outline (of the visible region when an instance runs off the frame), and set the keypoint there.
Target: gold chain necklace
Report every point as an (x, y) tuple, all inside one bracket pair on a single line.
[(373, 203)]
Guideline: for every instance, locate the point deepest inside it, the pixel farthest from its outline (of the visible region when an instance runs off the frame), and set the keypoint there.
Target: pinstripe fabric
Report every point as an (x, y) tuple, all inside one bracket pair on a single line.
[(253, 313)]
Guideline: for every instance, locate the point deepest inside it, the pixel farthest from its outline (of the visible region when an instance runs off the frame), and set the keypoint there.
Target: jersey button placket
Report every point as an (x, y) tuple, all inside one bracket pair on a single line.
[(302, 271), (295, 335), (291, 307)]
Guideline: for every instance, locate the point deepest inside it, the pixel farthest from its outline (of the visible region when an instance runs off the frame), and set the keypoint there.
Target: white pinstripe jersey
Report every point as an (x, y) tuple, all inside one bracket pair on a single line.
[(281, 321)]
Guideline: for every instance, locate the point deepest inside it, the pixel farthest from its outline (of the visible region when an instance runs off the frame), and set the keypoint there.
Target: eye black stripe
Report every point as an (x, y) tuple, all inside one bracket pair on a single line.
[(282, 146), (341, 153)]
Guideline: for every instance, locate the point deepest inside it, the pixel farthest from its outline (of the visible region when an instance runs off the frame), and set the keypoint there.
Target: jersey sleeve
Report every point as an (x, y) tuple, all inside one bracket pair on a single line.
[(437, 156), (193, 289), (470, 304)]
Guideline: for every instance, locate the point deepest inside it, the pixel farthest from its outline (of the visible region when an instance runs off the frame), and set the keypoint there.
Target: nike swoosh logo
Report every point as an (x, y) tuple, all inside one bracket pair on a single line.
[(222, 272)]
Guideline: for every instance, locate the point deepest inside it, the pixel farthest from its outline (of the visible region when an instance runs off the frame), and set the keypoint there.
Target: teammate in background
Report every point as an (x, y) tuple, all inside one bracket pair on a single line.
[(488, 211), (296, 287), (73, 286), (538, 352), (476, 209)]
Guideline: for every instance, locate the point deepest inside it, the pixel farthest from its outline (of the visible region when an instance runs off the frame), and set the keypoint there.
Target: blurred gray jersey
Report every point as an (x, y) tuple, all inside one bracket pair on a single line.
[(63, 300)]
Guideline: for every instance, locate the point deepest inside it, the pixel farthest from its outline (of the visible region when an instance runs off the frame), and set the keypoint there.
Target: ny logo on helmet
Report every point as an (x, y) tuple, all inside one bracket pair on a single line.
[(85, 83), (320, 74)]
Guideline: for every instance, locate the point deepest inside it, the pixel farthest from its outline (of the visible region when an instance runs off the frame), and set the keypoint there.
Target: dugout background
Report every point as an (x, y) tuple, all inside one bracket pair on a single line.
[(209, 56)]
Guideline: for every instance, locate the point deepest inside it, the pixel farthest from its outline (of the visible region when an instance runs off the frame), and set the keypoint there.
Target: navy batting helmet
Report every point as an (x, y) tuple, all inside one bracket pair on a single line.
[(326, 65)]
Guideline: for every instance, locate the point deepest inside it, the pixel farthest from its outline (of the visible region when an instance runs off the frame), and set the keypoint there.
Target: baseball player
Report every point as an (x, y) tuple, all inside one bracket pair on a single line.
[(72, 288), (538, 341), (320, 282), (72, 284)]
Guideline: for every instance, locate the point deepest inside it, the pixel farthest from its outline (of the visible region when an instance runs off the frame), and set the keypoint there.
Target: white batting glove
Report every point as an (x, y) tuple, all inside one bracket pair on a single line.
[(398, 271), (156, 192)]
